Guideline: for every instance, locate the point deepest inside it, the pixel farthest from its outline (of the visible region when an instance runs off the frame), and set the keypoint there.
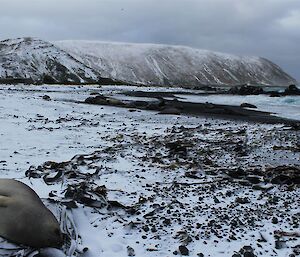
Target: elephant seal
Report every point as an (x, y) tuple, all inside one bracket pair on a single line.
[(24, 219)]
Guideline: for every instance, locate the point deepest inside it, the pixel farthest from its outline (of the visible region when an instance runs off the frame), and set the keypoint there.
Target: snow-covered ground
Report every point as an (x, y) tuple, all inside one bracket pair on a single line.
[(158, 206)]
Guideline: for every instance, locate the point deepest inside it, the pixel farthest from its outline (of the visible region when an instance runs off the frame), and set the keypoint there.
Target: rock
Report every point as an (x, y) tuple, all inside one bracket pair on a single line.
[(246, 90), (99, 99), (130, 251), (296, 250), (192, 174), (183, 250), (284, 175), (237, 173), (242, 200), (274, 220), (139, 104), (247, 105), (254, 179), (103, 100), (46, 97), (170, 110), (279, 244), (249, 254), (247, 251), (207, 88), (216, 200), (94, 93), (177, 148), (114, 102), (274, 94), (292, 90)]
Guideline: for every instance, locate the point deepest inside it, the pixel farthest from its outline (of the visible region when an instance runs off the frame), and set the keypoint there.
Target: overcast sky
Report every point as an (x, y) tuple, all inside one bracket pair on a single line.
[(268, 28)]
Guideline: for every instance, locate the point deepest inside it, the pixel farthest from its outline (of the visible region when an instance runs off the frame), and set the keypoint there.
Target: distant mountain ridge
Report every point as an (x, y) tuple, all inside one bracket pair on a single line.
[(37, 61), (81, 62)]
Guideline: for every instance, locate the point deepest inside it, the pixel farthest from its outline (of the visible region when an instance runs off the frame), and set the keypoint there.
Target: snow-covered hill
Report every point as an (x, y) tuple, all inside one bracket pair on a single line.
[(33, 61), (173, 65), (36, 61)]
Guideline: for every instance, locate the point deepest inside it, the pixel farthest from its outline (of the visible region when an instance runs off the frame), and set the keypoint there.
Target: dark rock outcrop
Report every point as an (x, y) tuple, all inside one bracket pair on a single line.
[(245, 90), (292, 90), (247, 105)]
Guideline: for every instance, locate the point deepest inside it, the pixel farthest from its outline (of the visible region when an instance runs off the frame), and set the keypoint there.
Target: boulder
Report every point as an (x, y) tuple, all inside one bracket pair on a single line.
[(246, 90), (292, 90), (99, 99), (247, 105)]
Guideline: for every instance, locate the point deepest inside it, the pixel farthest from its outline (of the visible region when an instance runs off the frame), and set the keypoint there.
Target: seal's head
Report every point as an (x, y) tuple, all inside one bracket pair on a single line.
[(46, 230), (41, 230), (52, 235), (24, 219)]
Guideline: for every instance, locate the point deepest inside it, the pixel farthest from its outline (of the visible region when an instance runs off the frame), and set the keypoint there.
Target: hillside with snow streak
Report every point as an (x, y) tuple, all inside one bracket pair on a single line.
[(152, 64), (36, 61)]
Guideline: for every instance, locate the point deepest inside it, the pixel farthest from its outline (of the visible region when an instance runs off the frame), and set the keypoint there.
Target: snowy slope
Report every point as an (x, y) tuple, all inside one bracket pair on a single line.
[(173, 65), (31, 59), (36, 61)]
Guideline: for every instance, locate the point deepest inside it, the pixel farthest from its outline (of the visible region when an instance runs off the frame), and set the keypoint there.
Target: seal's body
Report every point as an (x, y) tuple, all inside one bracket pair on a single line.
[(24, 219)]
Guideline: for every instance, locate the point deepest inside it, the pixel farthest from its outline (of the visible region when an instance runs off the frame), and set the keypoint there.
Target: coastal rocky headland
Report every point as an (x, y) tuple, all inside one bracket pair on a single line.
[(34, 61)]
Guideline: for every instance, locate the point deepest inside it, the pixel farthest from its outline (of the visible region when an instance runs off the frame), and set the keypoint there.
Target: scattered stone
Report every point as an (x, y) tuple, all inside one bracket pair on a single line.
[(183, 250), (246, 90), (253, 179), (237, 173), (296, 250), (247, 105), (242, 200), (274, 94), (292, 90), (130, 251), (94, 93), (216, 200), (279, 244), (46, 97), (201, 157), (274, 220), (247, 251), (98, 99), (283, 175)]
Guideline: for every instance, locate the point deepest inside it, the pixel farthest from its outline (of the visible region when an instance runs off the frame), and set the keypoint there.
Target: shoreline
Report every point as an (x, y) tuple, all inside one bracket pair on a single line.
[(177, 107)]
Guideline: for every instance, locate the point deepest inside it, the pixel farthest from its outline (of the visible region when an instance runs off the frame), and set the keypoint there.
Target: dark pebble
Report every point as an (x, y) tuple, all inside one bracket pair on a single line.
[(183, 250)]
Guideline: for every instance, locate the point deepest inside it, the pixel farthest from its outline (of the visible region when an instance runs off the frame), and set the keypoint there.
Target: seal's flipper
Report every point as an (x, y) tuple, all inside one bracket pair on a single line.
[(4, 200)]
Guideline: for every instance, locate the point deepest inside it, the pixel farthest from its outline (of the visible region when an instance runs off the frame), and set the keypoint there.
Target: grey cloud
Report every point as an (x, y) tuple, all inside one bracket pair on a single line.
[(268, 28)]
